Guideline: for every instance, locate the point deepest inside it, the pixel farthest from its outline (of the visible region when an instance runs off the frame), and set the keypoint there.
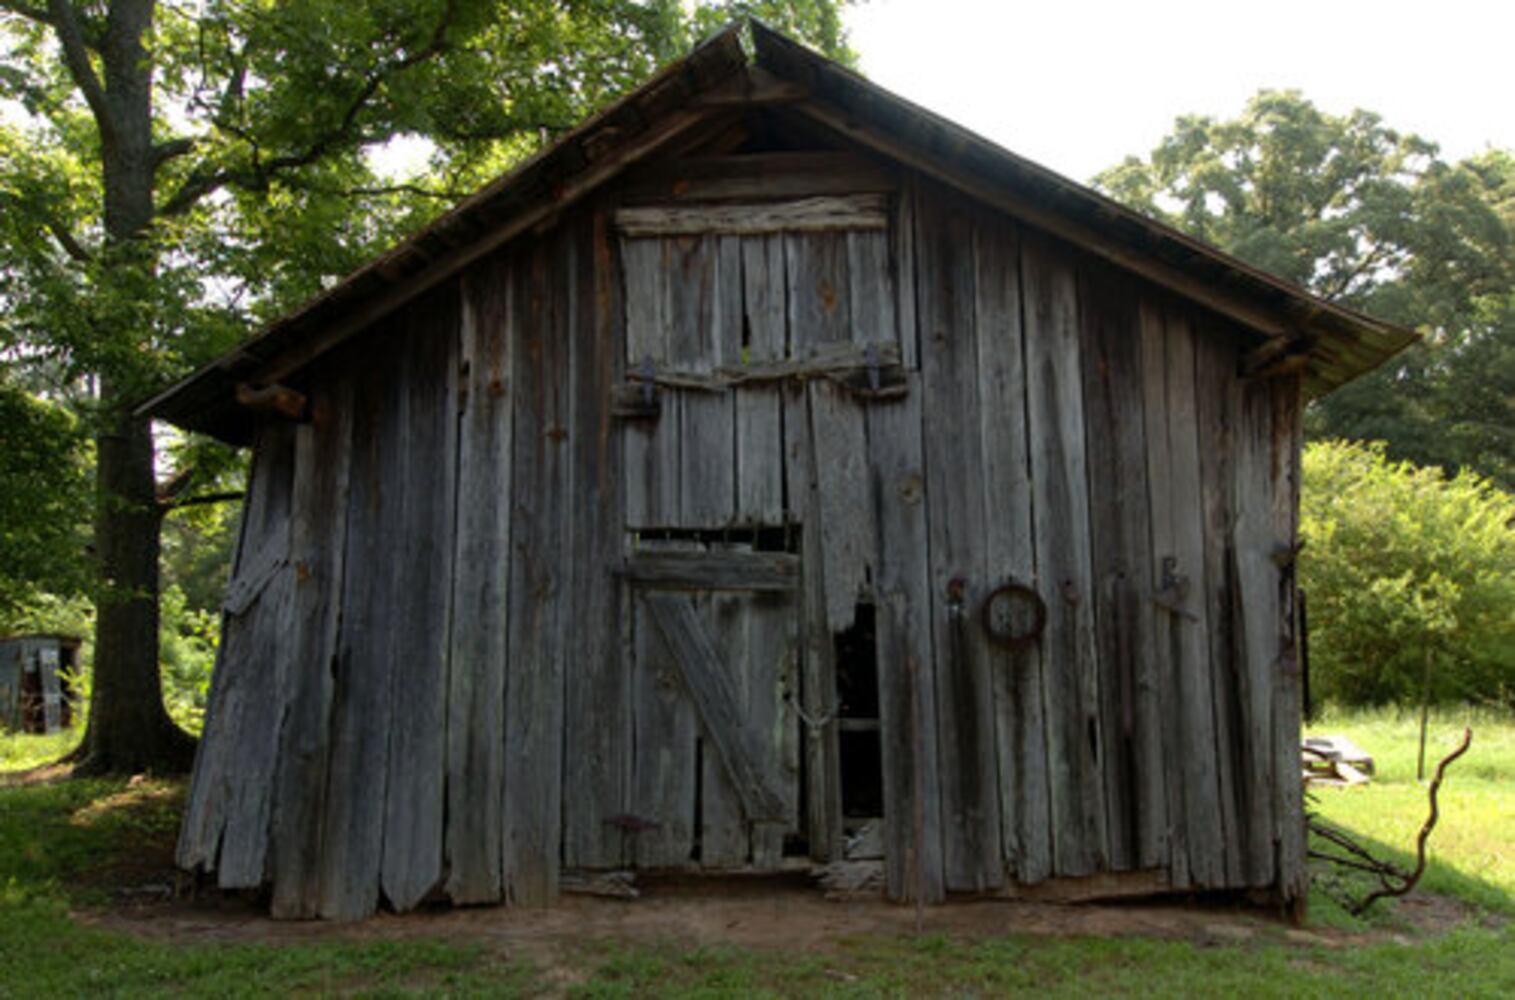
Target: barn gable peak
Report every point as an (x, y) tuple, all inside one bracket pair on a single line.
[(1294, 330)]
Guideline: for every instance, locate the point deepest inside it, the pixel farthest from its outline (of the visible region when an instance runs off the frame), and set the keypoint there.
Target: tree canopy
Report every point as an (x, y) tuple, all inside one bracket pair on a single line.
[(1370, 217), (171, 175)]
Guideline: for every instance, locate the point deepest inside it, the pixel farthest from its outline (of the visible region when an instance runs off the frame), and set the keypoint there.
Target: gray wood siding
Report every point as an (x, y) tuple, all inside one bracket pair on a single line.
[(441, 672)]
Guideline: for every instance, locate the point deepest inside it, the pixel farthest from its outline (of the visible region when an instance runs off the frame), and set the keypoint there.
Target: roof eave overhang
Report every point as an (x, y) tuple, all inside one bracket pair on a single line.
[(1325, 344)]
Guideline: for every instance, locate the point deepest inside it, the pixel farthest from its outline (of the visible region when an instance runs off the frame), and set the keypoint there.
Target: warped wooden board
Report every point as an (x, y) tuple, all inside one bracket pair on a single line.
[(651, 446), (481, 596), (1009, 550), (822, 213), (1190, 630), (534, 671), (1248, 847), (243, 775), (759, 433), (1110, 340), (421, 570), (318, 538), (953, 448), (1061, 519), (906, 668), (1164, 621), (597, 691), (352, 841)]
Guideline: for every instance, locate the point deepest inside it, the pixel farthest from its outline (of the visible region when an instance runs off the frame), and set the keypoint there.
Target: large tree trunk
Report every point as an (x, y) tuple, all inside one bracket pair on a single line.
[(129, 731)]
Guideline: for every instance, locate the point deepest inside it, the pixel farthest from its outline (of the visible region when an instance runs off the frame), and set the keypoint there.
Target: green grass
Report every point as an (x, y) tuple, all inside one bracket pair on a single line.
[(21, 752), (67, 849)]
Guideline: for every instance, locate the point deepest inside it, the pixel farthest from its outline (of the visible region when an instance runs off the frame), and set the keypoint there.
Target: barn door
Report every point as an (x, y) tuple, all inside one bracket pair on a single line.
[(714, 639)]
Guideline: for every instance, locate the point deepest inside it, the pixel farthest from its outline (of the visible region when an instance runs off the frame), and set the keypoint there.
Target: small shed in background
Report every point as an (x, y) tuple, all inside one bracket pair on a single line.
[(35, 695)]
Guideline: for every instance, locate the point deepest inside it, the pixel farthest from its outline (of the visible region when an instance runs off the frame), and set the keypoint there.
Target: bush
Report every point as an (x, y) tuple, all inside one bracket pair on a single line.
[(1400, 565)]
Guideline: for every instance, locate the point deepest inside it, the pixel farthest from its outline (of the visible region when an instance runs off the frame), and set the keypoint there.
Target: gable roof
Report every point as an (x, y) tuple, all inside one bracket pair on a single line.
[(1328, 343)]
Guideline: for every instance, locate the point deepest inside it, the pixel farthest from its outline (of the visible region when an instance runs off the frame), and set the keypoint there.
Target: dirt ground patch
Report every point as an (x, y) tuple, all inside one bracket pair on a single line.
[(783, 915)]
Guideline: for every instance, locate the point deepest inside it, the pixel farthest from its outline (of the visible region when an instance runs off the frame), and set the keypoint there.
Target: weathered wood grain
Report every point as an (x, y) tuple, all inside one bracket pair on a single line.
[(1244, 816), (421, 570), (753, 176), (1287, 439), (1260, 620), (719, 569), (1110, 343), (1009, 551), (1164, 623), (952, 438), (476, 682), (597, 695), (769, 638), (651, 447), (227, 816), (534, 670), (318, 538), (352, 842), (906, 668), (710, 687), (823, 213), (1060, 507), (665, 771), (759, 433), (704, 331), (725, 833), (1194, 696)]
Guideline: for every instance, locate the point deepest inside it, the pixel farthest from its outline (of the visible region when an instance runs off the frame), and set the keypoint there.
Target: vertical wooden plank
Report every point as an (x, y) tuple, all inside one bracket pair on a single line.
[(817, 694), (230, 800), (597, 696), (1112, 367), (769, 637), (1259, 619), (476, 684), (1063, 558), (819, 298), (1021, 750), (318, 537), (651, 446), (1245, 818), (704, 330), (902, 252), (724, 838), (352, 842), (1194, 697), (906, 669), (421, 572), (1288, 806), (759, 433), (534, 667), (664, 733), (1161, 709), (952, 436)]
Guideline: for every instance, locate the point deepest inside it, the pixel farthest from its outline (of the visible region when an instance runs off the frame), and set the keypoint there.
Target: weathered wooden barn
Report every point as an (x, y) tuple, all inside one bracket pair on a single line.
[(35, 693), (768, 463)]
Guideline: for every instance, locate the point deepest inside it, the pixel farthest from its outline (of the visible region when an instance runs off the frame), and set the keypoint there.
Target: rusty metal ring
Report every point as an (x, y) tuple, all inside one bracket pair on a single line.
[(1017, 592)]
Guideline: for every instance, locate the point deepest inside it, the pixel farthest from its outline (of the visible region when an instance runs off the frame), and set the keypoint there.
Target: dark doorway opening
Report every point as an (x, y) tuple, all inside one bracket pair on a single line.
[(860, 748)]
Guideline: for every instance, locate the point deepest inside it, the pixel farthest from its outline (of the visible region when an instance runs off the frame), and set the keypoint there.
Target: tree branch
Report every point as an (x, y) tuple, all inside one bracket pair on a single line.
[(202, 500), (71, 246), (202, 183), (65, 24), (169, 149)]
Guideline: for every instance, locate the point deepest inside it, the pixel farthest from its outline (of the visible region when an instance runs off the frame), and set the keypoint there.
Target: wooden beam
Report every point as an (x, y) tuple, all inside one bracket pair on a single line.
[(754, 86), (938, 166), (826, 213), (1278, 356), (275, 399), (758, 177), (735, 570)]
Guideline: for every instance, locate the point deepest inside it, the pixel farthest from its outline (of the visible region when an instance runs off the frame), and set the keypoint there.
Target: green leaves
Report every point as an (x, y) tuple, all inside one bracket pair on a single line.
[(1364, 215), (1402, 564)]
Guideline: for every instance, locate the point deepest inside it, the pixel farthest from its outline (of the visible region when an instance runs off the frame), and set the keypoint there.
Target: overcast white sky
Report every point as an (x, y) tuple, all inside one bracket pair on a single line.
[(1077, 85)]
